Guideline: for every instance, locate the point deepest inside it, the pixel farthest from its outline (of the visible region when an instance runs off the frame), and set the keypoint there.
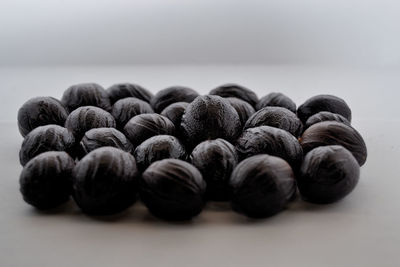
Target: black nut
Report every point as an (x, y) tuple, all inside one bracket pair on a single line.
[(236, 90), (209, 117), (276, 100), (105, 181), (335, 133), (278, 117), (215, 159), (325, 116), (170, 95), (46, 138), (328, 174), (40, 111), (320, 103), (125, 109), (45, 181), (123, 90), (272, 141), (83, 119), (86, 94), (144, 126), (101, 137), (172, 189), (157, 148), (243, 108), (174, 112), (262, 186)]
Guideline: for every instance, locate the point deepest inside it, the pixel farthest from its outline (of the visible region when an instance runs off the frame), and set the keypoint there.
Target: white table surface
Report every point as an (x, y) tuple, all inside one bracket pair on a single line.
[(361, 230)]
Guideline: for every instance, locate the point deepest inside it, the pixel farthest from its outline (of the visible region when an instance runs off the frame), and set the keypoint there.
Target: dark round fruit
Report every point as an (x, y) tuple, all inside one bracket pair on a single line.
[(209, 117), (101, 137), (174, 112), (172, 189), (157, 148), (276, 100), (325, 116), (83, 119), (272, 141), (86, 94), (262, 186), (236, 90), (335, 133), (277, 117), (46, 138), (328, 173), (45, 181), (170, 95), (124, 90), (127, 108), (144, 126), (40, 111), (320, 103), (105, 181), (215, 159), (243, 108)]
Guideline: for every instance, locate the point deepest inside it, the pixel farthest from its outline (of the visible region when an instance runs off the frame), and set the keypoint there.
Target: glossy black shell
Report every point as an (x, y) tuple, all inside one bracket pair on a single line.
[(278, 117), (83, 119), (328, 174), (170, 95), (209, 117), (124, 90), (40, 111), (236, 90), (325, 116), (174, 112), (45, 181), (125, 109), (243, 108), (320, 103), (172, 189), (335, 133), (276, 100), (46, 138), (86, 94), (272, 141), (105, 181), (157, 148), (215, 159), (261, 186)]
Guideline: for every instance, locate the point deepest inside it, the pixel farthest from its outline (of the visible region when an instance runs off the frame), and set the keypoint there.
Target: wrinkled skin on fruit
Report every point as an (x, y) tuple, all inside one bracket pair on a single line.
[(170, 95), (276, 100), (40, 111), (83, 119), (105, 181), (215, 159), (328, 174), (123, 90), (101, 137), (46, 138), (172, 189), (86, 94), (174, 112), (261, 186), (45, 181), (272, 141), (209, 117), (125, 109), (157, 148), (236, 90), (244, 109), (144, 126), (335, 133), (278, 117), (325, 116), (320, 103)]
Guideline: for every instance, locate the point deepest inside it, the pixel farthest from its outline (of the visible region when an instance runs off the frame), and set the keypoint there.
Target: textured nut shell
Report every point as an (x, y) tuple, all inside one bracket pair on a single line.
[(325, 116), (276, 100), (236, 90), (125, 109), (174, 112), (170, 95), (86, 94), (122, 90), (243, 108)]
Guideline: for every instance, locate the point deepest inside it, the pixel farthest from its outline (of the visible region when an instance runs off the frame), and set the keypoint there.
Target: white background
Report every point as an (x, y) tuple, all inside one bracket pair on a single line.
[(301, 48)]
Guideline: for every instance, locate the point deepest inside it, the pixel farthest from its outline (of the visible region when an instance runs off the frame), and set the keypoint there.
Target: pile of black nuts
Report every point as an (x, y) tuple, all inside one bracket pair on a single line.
[(176, 150)]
